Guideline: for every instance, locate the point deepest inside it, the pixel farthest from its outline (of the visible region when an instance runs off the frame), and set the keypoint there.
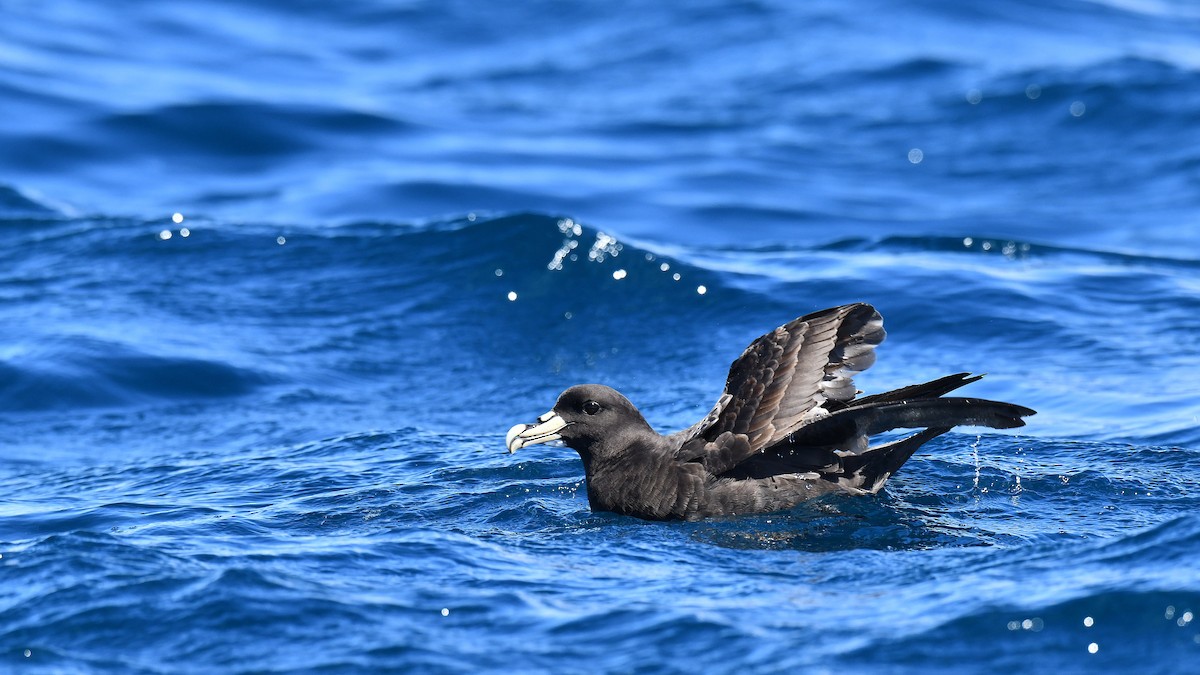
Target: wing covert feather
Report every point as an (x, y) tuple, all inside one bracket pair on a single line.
[(785, 377)]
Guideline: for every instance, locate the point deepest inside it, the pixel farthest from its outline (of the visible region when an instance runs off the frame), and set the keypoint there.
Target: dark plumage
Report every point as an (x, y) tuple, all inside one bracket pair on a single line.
[(787, 428)]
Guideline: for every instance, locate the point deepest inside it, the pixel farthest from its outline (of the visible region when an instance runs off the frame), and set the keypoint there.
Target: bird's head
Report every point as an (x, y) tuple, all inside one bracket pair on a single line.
[(591, 419)]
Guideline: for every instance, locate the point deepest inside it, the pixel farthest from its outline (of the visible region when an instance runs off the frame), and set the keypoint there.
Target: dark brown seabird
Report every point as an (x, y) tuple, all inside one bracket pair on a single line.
[(787, 428)]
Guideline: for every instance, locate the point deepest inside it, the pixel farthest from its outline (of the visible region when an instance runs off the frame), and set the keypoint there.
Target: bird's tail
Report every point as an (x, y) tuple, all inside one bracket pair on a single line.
[(868, 471), (872, 418), (917, 407)]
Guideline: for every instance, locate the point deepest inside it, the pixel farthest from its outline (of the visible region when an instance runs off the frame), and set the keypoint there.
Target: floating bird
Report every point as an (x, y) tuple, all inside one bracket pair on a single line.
[(787, 428)]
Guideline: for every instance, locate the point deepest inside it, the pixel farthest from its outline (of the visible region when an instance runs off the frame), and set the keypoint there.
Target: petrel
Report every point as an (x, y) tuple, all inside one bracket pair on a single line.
[(788, 427)]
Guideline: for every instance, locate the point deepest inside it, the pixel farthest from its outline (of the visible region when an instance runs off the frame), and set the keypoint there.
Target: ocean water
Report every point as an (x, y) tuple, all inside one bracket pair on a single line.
[(266, 435)]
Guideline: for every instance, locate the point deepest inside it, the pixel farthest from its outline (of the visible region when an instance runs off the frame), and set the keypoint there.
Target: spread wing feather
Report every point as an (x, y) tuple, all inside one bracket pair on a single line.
[(793, 374), (788, 374)]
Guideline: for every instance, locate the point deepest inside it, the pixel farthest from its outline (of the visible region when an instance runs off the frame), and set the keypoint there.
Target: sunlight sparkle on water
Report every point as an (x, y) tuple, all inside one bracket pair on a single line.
[(512, 296), (164, 235), (1093, 648), (570, 229), (177, 218), (605, 245), (619, 274), (701, 289)]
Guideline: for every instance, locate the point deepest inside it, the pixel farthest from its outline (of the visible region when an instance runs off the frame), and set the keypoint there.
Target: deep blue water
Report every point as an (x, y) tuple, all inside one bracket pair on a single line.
[(270, 437)]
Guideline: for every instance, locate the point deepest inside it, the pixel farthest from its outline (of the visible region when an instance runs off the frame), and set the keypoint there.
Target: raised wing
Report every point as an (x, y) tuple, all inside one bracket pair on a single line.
[(786, 378)]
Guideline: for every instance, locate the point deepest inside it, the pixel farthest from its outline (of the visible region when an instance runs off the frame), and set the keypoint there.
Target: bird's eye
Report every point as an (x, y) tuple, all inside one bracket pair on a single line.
[(591, 407)]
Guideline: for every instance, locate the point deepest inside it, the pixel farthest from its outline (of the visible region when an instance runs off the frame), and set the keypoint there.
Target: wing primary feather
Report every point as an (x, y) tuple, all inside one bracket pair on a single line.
[(792, 373)]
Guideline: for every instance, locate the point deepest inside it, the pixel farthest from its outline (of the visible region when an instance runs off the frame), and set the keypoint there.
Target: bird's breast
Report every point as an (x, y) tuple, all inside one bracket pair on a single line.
[(655, 489)]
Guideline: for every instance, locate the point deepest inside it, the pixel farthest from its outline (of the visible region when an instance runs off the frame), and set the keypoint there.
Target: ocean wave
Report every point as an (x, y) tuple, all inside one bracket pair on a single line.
[(16, 204), (497, 284), (278, 277), (72, 372), (1119, 627), (238, 129)]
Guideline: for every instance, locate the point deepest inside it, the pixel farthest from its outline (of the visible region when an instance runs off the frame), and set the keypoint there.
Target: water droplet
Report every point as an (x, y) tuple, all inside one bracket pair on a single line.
[(967, 241), (1078, 108), (701, 290), (974, 96), (280, 240), (676, 276), (1033, 91), (27, 653), (916, 155), (164, 235), (1093, 648), (664, 267), (177, 218), (499, 272), (184, 232), (1088, 621), (619, 274), (512, 296), (445, 611)]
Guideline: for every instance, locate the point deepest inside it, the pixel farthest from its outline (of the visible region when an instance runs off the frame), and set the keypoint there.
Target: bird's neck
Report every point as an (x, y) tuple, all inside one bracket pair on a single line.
[(598, 453), (618, 480)]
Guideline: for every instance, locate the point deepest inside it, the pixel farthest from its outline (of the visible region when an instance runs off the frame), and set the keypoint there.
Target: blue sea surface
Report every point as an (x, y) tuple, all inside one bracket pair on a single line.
[(276, 277)]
